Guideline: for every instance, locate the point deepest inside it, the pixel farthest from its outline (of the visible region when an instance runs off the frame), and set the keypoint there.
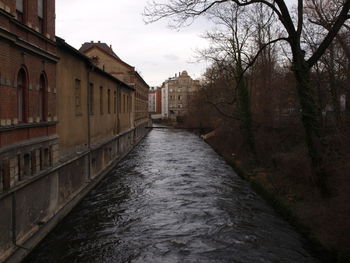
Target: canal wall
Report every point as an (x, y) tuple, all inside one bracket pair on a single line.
[(30, 210)]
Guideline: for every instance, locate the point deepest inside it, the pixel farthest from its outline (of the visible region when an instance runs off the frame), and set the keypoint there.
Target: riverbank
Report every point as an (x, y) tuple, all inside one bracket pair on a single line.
[(316, 217)]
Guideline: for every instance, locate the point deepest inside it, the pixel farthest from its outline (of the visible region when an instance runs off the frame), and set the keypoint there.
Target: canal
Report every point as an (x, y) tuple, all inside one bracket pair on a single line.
[(173, 199)]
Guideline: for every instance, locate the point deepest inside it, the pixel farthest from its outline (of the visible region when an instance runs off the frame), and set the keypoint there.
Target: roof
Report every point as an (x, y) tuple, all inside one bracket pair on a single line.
[(61, 43), (108, 49)]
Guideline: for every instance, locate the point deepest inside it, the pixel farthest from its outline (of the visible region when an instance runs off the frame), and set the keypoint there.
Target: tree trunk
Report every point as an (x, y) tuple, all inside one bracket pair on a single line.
[(244, 110), (310, 119), (332, 85)]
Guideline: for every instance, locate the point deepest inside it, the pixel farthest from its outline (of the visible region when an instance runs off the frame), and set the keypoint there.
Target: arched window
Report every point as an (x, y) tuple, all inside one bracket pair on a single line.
[(22, 96), (42, 98)]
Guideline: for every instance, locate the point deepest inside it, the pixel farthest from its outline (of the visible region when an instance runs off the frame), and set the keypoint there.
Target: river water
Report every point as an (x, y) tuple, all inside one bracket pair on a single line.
[(173, 199)]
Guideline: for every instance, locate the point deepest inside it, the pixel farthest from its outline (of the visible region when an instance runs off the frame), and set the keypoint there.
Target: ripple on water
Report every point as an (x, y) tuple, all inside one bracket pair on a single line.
[(173, 199)]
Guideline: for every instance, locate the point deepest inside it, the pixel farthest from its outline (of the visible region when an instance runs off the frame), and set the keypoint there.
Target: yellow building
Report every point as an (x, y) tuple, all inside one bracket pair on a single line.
[(104, 57), (93, 105)]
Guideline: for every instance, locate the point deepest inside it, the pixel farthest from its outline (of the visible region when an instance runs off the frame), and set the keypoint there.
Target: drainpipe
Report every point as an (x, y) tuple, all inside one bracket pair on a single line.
[(90, 69), (118, 117)]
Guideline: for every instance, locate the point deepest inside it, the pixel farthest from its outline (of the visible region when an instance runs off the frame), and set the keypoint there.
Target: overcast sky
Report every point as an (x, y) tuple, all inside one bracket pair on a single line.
[(156, 51)]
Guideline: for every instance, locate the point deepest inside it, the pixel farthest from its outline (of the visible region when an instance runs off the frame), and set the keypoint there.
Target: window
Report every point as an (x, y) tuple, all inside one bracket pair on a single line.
[(41, 159), (101, 100), (179, 97), (42, 98), (21, 96), (27, 165), (115, 102), (91, 99), (124, 103), (19, 165), (77, 96), (45, 158), (33, 162), (5, 175), (41, 16), (20, 10), (109, 101), (127, 103)]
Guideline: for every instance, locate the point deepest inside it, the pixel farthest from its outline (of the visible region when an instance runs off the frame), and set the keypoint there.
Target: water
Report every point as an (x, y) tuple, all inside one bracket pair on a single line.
[(173, 199)]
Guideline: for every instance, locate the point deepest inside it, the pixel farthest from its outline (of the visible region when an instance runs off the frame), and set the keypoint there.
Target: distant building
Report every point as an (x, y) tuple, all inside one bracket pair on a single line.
[(152, 101), (176, 95), (159, 101), (165, 100), (155, 103), (155, 100)]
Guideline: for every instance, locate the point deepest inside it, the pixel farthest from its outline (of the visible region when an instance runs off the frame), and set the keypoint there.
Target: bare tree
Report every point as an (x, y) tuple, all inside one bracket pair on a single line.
[(230, 52), (336, 60), (183, 11)]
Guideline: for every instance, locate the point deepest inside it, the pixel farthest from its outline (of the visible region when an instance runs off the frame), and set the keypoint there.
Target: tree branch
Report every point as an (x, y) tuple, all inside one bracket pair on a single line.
[(300, 18), (333, 31), (221, 111), (258, 53)]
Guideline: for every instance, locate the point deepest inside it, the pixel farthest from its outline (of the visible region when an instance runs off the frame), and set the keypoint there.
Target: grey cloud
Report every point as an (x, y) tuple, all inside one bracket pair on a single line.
[(171, 57)]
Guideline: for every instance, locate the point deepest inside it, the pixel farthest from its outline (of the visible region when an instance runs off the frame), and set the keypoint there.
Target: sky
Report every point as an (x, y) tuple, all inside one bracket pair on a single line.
[(155, 50)]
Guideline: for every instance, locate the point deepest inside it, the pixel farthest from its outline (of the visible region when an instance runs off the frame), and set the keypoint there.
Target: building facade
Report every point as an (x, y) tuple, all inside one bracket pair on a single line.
[(104, 57), (28, 112), (165, 99), (177, 93), (155, 103), (64, 123), (152, 101)]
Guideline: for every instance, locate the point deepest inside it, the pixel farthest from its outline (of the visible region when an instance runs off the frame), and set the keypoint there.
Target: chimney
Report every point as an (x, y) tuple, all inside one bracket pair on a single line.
[(99, 41), (110, 46), (175, 75), (92, 41)]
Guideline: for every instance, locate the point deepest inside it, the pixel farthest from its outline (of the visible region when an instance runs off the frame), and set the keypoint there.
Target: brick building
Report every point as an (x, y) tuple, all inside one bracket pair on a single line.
[(155, 103), (52, 154), (28, 141)]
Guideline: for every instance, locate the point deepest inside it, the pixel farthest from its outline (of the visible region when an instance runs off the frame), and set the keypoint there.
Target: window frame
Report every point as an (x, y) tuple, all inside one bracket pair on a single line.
[(21, 13), (91, 98), (22, 95), (42, 97), (41, 16), (101, 100)]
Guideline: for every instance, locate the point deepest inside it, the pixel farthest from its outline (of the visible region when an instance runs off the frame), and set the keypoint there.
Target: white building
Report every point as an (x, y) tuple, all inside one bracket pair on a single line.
[(152, 102), (165, 100)]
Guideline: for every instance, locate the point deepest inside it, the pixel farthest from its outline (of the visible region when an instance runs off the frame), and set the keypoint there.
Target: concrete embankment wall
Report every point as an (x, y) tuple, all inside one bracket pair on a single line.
[(29, 211)]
